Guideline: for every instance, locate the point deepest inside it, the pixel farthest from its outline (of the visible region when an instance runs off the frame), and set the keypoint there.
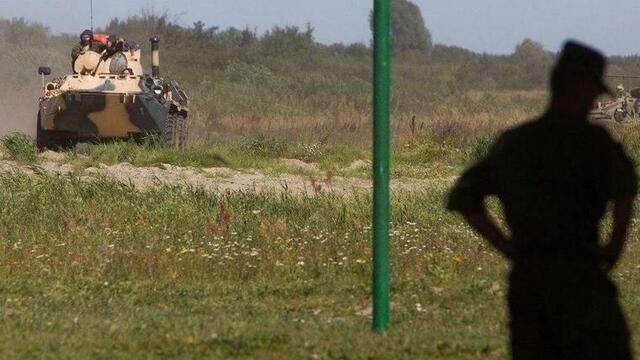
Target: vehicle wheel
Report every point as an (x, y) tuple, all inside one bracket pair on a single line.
[(175, 131), (618, 116)]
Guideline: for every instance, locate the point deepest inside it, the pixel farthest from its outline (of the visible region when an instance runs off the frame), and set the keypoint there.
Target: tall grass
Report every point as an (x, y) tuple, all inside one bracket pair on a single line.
[(98, 269), (20, 147), (173, 272)]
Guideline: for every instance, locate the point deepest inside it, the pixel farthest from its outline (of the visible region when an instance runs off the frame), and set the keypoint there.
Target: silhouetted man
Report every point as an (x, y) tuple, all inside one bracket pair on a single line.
[(554, 177)]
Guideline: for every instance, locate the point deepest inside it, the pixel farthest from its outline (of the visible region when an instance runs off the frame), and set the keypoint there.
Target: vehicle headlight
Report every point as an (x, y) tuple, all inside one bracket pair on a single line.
[(157, 90)]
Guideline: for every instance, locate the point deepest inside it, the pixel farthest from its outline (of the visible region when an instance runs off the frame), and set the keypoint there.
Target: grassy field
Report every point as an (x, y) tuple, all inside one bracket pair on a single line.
[(91, 268), (100, 270)]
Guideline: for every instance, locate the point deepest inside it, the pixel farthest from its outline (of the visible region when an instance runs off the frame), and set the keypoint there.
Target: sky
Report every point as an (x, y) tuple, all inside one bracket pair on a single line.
[(492, 26)]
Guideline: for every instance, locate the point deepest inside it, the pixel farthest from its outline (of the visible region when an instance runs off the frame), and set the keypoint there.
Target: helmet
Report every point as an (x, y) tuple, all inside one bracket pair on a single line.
[(86, 37)]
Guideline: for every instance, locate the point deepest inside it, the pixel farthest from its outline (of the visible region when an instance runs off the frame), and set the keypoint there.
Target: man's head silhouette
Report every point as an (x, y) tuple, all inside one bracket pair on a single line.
[(577, 79)]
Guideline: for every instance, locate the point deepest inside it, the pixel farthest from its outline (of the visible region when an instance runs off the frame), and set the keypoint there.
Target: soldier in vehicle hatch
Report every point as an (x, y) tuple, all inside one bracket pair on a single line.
[(100, 43), (85, 44), (554, 177)]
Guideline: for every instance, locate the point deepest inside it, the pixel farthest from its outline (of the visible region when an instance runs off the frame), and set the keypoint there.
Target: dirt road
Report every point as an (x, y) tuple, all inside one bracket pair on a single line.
[(212, 179)]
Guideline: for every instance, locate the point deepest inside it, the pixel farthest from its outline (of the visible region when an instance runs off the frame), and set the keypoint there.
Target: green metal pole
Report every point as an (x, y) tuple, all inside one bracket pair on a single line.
[(381, 143)]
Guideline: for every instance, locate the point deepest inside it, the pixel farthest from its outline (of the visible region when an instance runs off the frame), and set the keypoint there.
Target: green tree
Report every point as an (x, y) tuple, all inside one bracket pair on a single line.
[(535, 63), (529, 50), (288, 40), (408, 30)]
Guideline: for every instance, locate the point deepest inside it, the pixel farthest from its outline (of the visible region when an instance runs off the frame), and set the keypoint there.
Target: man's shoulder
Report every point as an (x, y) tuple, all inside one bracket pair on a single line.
[(75, 51), (524, 127), (544, 126), (521, 131), (598, 131)]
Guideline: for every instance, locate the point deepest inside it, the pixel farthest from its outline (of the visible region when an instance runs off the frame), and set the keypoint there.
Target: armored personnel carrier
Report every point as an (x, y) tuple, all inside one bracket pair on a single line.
[(108, 96)]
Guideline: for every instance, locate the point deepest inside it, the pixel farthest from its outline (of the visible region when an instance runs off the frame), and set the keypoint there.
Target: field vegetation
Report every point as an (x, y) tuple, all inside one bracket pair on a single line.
[(95, 268), (111, 271)]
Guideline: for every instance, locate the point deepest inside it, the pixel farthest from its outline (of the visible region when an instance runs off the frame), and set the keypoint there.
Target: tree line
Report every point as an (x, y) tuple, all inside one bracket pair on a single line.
[(286, 67)]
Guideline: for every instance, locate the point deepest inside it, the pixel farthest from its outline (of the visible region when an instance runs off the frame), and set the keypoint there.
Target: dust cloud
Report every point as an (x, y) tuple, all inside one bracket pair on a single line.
[(19, 110)]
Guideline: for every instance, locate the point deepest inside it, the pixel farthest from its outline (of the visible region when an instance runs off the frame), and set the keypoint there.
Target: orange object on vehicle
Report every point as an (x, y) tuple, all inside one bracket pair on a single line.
[(101, 38), (104, 38)]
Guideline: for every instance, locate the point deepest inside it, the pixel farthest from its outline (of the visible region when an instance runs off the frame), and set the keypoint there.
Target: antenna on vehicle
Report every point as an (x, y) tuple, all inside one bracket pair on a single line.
[(91, 5)]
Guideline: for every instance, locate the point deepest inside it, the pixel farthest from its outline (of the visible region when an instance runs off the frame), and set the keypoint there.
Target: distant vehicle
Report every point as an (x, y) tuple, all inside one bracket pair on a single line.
[(625, 105), (109, 97)]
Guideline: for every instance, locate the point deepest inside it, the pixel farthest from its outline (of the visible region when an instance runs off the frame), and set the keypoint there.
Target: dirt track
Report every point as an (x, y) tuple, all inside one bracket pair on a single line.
[(212, 179)]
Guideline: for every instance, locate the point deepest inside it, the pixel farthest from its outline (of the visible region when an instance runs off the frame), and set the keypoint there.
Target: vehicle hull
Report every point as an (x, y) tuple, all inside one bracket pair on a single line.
[(99, 115)]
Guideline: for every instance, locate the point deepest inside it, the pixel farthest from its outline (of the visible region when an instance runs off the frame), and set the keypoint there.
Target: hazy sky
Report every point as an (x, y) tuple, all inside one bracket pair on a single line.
[(493, 26)]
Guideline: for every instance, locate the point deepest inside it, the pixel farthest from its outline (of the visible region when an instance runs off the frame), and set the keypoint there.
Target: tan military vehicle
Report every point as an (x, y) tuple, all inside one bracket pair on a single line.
[(621, 106), (625, 105), (109, 97)]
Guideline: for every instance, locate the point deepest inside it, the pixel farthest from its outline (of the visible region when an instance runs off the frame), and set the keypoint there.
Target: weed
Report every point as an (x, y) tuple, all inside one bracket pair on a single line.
[(266, 147), (309, 152), (480, 147), (20, 147)]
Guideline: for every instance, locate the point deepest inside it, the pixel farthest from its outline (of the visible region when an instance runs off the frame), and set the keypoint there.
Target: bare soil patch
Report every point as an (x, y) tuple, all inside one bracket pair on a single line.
[(216, 179)]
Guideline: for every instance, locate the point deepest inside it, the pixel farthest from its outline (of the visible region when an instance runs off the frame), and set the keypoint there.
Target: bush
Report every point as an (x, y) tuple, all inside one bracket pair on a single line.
[(263, 146), (238, 71), (20, 147)]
